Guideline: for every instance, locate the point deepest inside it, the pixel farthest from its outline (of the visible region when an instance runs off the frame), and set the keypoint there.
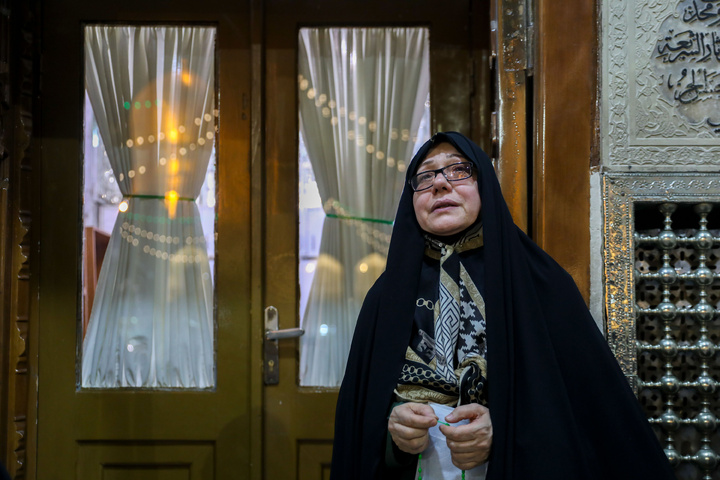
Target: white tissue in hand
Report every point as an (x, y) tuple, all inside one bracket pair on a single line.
[(436, 459)]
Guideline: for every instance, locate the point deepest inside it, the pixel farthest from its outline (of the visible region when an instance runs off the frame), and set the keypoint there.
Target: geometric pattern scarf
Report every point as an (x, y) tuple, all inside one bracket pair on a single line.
[(445, 361)]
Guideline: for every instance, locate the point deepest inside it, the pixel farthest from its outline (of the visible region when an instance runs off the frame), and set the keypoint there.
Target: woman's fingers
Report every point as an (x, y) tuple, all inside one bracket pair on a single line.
[(408, 426), (469, 444), (468, 458), (472, 432), (415, 415), (410, 440), (467, 462), (470, 412), (477, 430)]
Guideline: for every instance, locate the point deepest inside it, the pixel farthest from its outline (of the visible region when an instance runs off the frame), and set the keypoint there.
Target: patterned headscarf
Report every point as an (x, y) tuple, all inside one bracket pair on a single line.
[(445, 361)]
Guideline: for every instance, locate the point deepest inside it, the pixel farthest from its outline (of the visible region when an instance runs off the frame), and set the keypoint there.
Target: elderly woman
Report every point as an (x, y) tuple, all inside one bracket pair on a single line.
[(471, 313)]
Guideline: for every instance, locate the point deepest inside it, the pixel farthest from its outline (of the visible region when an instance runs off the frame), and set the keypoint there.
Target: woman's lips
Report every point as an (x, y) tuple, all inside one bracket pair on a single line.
[(441, 204)]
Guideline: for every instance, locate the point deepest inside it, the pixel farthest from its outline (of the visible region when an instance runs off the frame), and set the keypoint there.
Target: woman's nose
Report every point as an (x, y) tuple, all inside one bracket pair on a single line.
[(440, 181)]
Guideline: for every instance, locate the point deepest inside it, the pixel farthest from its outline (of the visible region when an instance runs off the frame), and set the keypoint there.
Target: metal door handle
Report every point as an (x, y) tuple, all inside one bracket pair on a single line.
[(271, 367), (285, 333)]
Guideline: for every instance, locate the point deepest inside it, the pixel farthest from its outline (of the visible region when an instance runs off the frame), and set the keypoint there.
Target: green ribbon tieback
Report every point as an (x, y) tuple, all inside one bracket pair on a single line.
[(159, 197), (362, 219)]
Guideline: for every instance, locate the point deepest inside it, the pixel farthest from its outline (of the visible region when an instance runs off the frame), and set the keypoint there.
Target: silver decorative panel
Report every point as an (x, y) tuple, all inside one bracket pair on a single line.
[(660, 85), (661, 256), (660, 102)]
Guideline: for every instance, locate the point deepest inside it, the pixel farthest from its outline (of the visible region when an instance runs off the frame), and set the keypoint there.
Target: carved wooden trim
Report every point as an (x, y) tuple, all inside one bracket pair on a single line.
[(5, 159), (18, 89), (511, 104)]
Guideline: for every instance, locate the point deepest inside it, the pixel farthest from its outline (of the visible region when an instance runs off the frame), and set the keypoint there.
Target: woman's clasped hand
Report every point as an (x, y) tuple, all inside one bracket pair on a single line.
[(469, 444)]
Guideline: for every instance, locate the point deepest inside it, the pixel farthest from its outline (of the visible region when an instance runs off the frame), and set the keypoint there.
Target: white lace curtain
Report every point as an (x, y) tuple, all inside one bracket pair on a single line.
[(152, 92), (362, 94)]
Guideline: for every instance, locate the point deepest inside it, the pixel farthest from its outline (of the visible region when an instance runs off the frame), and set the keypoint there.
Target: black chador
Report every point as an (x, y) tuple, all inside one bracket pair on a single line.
[(560, 405)]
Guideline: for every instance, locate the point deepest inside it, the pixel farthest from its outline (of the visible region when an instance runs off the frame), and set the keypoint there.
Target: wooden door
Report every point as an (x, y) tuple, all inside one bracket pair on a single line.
[(141, 434), (299, 421)]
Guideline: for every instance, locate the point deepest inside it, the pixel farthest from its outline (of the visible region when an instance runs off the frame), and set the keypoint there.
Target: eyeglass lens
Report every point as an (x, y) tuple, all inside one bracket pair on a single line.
[(456, 171)]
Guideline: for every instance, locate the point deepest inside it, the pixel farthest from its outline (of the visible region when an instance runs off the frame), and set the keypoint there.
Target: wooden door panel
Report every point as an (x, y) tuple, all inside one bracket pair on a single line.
[(314, 459), (299, 421), (157, 461), (147, 473), (91, 434)]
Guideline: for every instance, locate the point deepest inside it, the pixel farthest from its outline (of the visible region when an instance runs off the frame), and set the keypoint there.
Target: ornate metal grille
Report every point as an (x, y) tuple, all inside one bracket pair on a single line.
[(677, 295)]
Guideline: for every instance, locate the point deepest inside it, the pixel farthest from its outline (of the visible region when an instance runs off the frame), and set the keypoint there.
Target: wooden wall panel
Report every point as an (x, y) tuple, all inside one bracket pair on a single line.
[(565, 112)]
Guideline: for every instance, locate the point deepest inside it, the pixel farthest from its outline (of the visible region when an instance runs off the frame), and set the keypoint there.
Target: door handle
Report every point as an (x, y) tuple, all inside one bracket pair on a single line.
[(271, 364), (285, 333)]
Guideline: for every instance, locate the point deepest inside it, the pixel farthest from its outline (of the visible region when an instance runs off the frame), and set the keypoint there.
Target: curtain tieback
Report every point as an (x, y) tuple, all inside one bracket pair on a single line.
[(361, 219)]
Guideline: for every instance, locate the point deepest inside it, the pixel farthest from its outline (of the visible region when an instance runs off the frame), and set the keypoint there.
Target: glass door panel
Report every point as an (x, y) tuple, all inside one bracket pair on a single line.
[(364, 109), (149, 208)]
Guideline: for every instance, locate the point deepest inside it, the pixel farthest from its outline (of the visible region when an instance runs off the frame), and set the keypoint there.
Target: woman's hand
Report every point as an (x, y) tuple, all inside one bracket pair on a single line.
[(469, 444), (408, 425)]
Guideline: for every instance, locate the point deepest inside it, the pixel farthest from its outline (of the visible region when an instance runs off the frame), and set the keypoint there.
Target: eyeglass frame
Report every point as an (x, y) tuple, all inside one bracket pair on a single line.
[(441, 170)]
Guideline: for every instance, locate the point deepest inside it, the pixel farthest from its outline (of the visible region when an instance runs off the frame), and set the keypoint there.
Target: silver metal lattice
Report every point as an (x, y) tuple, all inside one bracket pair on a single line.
[(677, 297), (661, 248)]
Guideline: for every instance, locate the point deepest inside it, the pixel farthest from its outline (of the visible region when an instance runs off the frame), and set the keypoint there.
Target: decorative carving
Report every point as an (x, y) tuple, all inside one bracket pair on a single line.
[(617, 261), (646, 127), (5, 234), (18, 89)]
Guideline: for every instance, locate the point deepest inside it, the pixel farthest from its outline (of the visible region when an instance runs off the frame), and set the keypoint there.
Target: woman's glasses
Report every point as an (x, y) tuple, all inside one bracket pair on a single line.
[(453, 173)]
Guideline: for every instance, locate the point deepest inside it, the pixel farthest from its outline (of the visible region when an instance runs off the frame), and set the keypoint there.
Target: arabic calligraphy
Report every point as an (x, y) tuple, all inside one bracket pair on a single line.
[(693, 85), (689, 45), (687, 59), (709, 14)]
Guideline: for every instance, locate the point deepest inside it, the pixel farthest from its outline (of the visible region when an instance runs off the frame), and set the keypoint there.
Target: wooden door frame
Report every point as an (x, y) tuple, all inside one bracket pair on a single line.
[(566, 113), (547, 113), (513, 61)]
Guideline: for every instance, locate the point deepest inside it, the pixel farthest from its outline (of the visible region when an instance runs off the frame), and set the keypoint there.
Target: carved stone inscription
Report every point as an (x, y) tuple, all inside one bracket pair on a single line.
[(661, 85), (687, 61)]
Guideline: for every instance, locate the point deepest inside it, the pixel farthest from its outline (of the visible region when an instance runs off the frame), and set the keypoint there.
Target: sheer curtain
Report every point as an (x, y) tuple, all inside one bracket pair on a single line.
[(361, 99), (152, 92)]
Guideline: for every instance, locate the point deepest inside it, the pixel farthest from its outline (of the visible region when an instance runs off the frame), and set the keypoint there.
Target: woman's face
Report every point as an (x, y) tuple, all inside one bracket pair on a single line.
[(447, 207)]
